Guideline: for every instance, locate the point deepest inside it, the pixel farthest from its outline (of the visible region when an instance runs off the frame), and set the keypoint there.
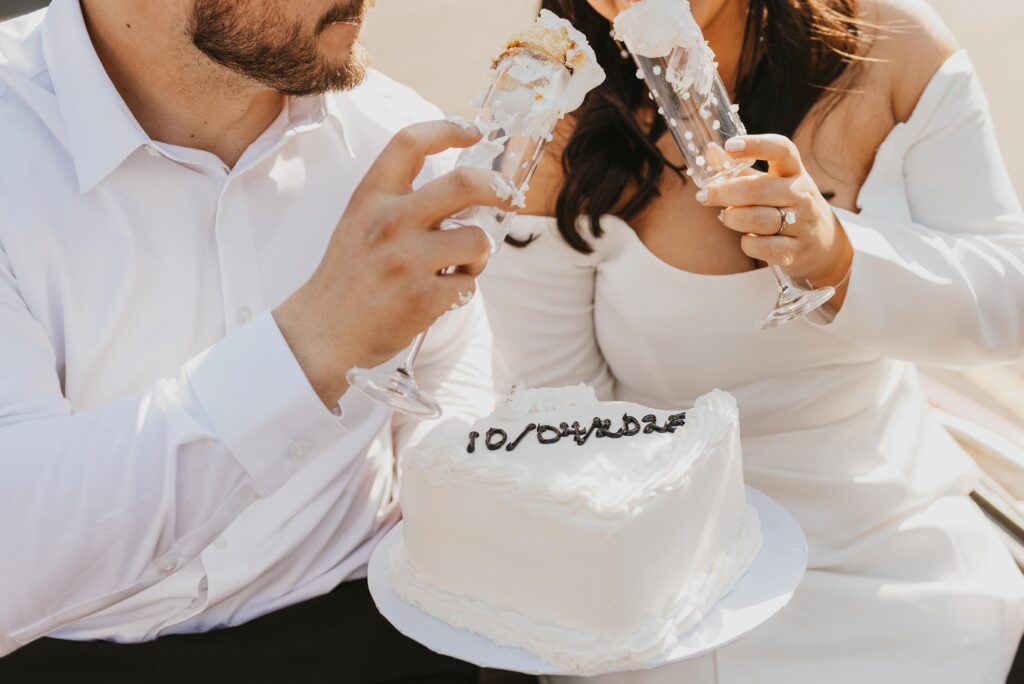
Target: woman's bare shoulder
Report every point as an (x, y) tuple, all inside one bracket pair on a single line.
[(909, 43)]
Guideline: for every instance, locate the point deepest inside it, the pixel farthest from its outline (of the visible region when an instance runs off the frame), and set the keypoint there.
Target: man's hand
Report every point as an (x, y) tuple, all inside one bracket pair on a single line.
[(378, 285)]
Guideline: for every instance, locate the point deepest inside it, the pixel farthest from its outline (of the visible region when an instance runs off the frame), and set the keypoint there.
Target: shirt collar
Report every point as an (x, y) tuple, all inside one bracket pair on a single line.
[(101, 130), (327, 107)]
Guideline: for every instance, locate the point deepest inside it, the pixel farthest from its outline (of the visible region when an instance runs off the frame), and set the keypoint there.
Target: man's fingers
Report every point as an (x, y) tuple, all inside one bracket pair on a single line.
[(780, 152), (464, 187), (467, 248), (402, 160), (455, 291)]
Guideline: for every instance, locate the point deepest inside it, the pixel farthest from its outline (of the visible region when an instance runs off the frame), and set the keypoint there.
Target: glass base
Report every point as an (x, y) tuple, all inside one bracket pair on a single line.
[(396, 389), (795, 302)]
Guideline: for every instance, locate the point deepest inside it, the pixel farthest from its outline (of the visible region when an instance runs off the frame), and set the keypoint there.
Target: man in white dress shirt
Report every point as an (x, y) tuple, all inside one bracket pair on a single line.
[(187, 270)]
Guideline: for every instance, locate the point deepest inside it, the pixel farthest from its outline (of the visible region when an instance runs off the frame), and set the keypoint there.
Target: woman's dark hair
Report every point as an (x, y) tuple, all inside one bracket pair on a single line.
[(793, 52)]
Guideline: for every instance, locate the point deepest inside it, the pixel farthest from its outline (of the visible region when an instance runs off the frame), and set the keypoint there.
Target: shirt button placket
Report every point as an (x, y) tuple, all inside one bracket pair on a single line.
[(297, 450), (239, 266), (244, 315)]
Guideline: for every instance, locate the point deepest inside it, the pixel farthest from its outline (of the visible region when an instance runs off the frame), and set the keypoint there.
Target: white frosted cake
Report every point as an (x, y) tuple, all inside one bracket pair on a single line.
[(592, 534)]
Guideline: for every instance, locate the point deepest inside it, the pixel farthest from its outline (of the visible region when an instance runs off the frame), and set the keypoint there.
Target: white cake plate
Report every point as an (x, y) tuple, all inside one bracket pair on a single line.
[(761, 593)]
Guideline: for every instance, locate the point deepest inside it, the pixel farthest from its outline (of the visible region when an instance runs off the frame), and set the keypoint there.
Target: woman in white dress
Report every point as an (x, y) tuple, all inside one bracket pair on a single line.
[(904, 205)]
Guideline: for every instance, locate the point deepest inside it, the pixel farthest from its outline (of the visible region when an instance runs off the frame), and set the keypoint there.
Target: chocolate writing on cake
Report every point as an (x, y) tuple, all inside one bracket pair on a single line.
[(599, 428)]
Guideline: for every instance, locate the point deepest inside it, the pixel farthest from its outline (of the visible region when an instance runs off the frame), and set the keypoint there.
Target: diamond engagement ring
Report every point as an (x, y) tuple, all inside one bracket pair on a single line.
[(787, 218)]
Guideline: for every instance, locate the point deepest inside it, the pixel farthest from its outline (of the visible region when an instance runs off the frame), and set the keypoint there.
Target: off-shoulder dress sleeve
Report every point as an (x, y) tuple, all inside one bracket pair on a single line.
[(938, 269), (540, 303)]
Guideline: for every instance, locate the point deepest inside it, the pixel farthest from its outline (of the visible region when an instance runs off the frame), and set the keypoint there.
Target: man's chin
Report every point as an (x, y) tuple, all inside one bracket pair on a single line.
[(330, 80), (350, 71), (349, 77)]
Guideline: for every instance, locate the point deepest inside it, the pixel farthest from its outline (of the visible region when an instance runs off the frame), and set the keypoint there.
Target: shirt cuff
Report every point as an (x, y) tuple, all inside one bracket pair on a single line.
[(260, 403)]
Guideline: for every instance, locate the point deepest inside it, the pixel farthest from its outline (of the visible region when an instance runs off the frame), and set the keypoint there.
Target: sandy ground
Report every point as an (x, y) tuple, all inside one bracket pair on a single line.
[(443, 47)]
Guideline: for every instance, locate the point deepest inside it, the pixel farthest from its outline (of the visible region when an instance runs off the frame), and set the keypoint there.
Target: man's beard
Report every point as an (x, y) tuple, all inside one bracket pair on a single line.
[(266, 50)]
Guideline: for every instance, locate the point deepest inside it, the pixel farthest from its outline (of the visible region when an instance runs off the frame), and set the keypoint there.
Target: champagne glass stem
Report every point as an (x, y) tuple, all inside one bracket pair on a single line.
[(784, 281), (793, 301), (417, 344), (414, 352)]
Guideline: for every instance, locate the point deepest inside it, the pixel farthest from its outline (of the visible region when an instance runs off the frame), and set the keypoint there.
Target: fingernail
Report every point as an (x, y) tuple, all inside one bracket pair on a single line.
[(721, 216), (463, 124), (702, 196), (735, 144)]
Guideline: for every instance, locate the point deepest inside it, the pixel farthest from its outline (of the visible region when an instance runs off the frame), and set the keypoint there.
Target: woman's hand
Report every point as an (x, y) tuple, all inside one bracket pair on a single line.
[(784, 217)]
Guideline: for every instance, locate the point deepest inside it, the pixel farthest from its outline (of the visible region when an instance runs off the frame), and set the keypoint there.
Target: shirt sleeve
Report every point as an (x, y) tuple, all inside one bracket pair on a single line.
[(938, 268), (148, 480)]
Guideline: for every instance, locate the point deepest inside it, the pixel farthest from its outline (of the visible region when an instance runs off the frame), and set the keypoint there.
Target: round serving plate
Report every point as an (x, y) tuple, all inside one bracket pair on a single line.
[(762, 592)]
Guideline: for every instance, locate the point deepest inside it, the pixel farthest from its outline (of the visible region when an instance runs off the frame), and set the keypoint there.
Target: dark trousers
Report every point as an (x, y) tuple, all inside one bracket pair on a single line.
[(338, 638)]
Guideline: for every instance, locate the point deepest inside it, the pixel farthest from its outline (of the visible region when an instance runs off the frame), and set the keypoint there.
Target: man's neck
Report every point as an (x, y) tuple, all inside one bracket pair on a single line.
[(177, 95)]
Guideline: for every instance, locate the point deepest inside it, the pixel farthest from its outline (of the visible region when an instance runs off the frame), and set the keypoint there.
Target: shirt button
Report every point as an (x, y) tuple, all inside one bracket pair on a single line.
[(152, 152), (221, 543), (244, 315), (168, 565), (297, 451)]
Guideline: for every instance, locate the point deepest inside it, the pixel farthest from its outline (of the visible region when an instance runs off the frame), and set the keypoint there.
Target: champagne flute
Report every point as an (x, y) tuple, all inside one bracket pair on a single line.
[(517, 120), (695, 104)]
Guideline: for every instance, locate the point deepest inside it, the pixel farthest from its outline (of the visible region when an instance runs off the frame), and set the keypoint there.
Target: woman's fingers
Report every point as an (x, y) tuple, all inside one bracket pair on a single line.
[(780, 152), (748, 191), (757, 220), (775, 250)]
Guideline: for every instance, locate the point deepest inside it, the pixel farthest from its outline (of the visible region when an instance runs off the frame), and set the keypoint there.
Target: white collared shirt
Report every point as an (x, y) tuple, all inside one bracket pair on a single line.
[(165, 466)]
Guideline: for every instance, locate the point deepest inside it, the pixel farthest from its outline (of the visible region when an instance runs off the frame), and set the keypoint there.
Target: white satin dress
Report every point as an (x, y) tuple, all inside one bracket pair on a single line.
[(907, 582)]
